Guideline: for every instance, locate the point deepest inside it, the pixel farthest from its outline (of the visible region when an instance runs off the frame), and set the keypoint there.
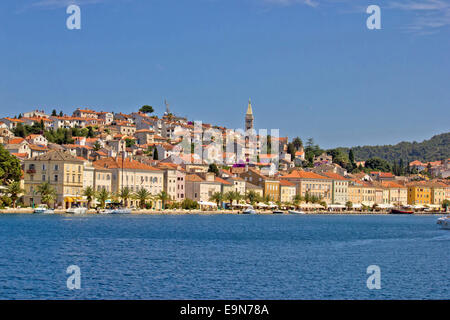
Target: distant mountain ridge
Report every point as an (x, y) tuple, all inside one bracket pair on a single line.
[(436, 148)]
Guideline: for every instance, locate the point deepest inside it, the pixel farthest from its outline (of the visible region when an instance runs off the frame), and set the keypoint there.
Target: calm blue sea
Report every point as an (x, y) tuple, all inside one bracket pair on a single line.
[(223, 257)]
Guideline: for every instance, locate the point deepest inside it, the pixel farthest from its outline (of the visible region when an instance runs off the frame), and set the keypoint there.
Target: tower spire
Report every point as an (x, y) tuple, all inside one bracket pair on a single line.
[(249, 108)]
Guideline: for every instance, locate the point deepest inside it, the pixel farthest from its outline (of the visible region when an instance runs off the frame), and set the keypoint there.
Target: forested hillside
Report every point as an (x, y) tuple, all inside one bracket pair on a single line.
[(436, 148)]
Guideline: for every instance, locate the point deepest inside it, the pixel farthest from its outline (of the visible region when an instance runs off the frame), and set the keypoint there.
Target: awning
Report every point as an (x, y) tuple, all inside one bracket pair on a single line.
[(262, 205), (385, 205), (336, 206), (68, 199)]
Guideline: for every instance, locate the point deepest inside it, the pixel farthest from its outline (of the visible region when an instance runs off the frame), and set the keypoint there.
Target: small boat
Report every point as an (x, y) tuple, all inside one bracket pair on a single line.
[(296, 212), (400, 211), (277, 212), (444, 222), (76, 210), (116, 211), (43, 209), (249, 210)]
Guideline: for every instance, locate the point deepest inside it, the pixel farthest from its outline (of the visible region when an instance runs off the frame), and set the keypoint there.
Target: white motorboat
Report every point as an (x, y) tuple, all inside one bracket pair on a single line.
[(249, 210), (116, 211), (296, 212), (76, 210), (444, 222), (43, 209)]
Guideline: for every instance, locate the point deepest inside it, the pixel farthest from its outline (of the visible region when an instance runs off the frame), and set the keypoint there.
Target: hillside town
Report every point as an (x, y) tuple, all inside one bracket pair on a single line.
[(92, 158)]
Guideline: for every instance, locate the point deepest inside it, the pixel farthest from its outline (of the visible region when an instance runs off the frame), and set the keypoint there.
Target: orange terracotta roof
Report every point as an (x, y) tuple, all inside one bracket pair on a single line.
[(333, 176), (217, 179), (194, 178), (391, 184), (117, 163), (286, 183), (16, 140), (298, 174), (20, 155)]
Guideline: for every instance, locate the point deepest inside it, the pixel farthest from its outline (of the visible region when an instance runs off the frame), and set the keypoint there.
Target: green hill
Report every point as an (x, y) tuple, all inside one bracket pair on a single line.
[(436, 148)]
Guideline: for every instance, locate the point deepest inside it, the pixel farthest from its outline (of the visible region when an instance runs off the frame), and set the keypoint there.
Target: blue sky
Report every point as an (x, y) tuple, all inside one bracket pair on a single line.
[(311, 68)]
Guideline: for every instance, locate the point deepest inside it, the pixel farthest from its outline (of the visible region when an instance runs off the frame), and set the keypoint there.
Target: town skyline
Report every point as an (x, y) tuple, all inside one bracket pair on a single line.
[(316, 70)]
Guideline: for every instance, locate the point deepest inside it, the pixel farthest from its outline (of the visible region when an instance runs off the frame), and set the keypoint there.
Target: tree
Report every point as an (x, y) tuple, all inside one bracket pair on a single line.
[(297, 143), (142, 195), (213, 168), (54, 114), (10, 169), (349, 205), (297, 199), (97, 146), (163, 196), (378, 164), (217, 197), (146, 109), (252, 196), (14, 190), (125, 194), (102, 196), (61, 114), (89, 193), (446, 204), (229, 197), (47, 192), (130, 142), (19, 131)]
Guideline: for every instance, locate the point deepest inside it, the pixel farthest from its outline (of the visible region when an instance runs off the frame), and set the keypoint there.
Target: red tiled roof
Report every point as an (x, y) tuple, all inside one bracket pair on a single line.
[(298, 174), (286, 183), (333, 176), (116, 163)]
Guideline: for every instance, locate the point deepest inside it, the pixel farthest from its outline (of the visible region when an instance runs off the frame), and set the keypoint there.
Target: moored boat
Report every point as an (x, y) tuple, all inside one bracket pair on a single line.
[(249, 210), (277, 212), (76, 210), (444, 222), (43, 209), (401, 211), (296, 212)]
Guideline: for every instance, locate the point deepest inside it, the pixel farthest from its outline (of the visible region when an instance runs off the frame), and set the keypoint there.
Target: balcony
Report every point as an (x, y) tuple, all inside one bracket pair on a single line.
[(31, 171)]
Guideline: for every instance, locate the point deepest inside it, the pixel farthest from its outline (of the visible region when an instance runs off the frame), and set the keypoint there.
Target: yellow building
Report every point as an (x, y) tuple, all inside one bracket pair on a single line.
[(311, 183), (355, 191), (287, 191), (271, 186), (419, 193), (61, 170), (437, 192)]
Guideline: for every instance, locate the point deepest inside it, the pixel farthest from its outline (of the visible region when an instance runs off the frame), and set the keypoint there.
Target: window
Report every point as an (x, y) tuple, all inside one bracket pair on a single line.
[(56, 178), (43, 177), (43, 167), (56, 167)]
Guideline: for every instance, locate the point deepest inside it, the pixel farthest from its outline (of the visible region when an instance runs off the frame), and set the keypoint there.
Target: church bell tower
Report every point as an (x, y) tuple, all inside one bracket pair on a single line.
[(249, 117)]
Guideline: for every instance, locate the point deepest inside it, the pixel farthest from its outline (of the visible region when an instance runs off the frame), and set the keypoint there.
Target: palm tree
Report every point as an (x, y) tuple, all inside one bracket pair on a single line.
[(125, 194), (47, 192), (252, 196), (142, 195), (89, 193), (163, 196), (102, 196), (14, 190), (297, 199), (349, 205), (217, 197), (229, 197), (237, 196)]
